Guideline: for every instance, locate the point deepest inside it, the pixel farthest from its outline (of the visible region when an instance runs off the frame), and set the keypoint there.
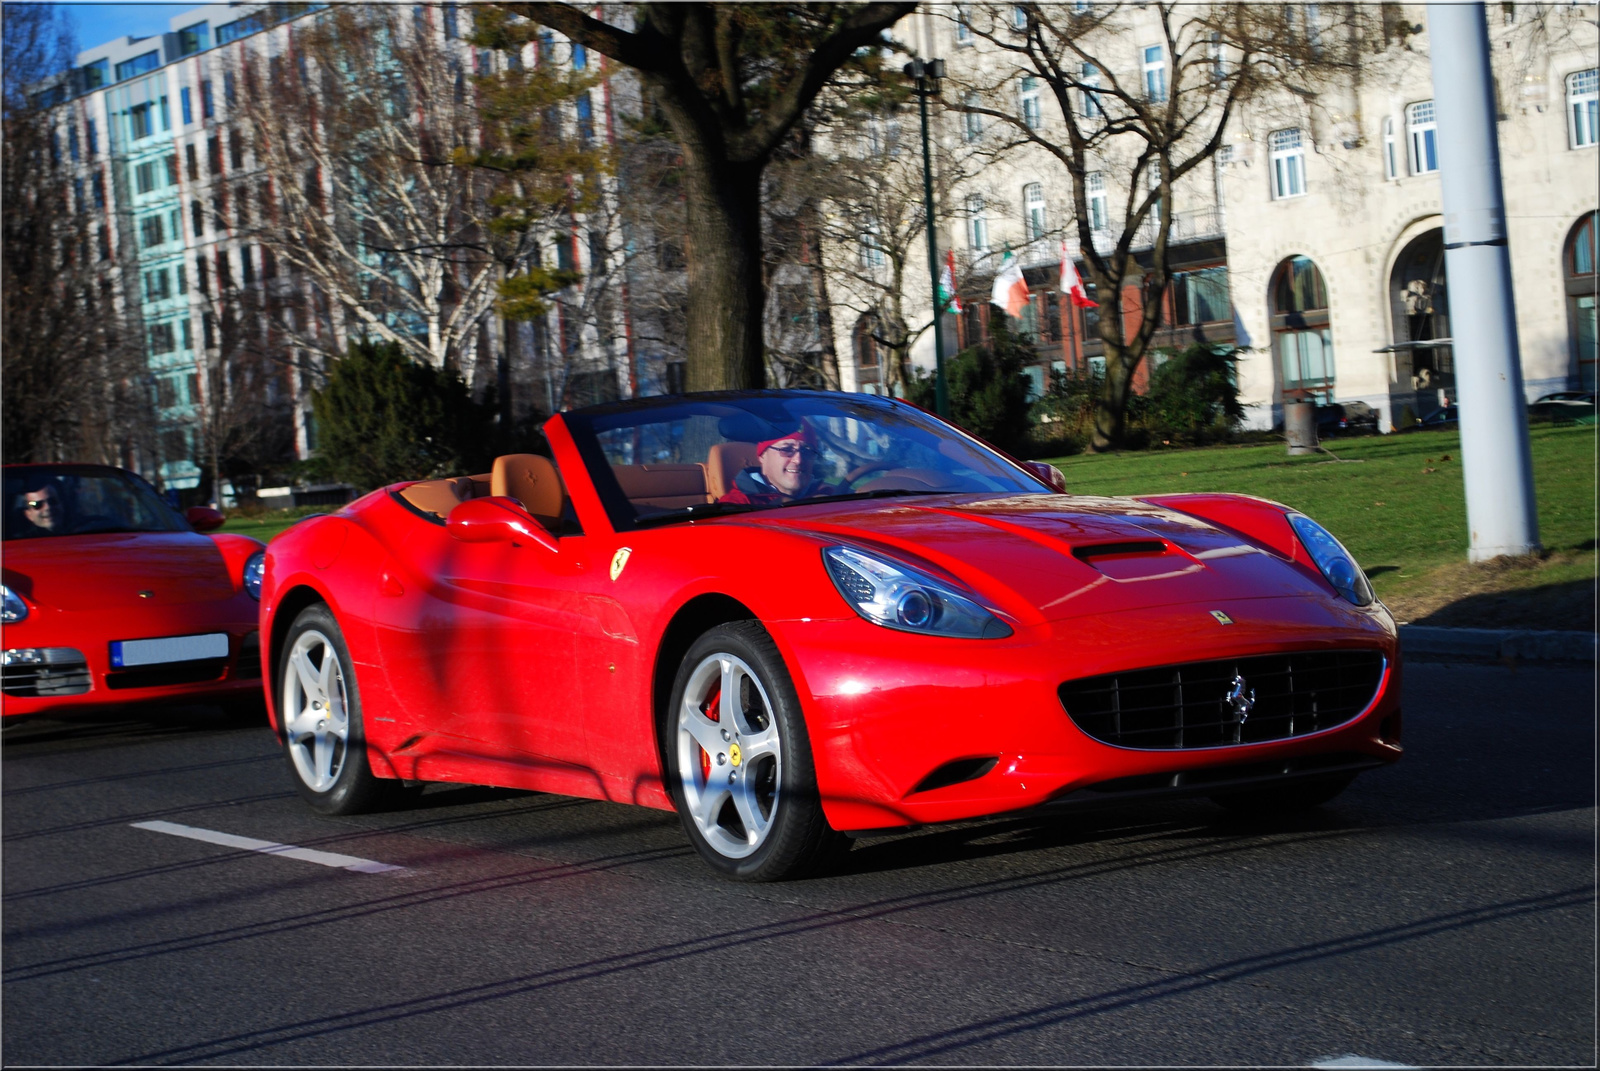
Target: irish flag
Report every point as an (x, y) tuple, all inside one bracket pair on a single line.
[(947, 284), (1010, 288), (1071, 284)]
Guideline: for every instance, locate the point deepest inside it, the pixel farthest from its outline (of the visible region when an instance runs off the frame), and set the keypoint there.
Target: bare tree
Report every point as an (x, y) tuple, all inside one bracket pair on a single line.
[(731, 80), (73, 366), (1151, 126)]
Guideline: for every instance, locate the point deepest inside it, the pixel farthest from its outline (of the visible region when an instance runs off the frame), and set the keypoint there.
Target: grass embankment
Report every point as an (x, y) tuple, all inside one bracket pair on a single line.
[(264, 524), (1398, 502)]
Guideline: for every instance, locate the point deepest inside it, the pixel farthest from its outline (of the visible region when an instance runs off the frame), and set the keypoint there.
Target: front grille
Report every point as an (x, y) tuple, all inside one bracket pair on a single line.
[(1188, 706), (205, 669), (33, 673)]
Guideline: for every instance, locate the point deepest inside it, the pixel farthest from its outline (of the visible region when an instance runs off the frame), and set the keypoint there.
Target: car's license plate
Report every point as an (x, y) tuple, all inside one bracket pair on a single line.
[(126, 653)]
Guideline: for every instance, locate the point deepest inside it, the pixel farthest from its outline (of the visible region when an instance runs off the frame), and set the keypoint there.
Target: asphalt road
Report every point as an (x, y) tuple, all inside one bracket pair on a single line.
[(1440, 912)]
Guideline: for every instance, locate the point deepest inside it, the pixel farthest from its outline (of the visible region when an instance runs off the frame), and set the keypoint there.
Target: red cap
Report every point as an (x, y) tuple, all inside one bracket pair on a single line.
[(802, 435)]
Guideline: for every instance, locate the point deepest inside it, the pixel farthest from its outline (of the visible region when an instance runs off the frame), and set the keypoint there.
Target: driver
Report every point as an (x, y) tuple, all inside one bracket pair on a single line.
[(782, 472), (41, 508)]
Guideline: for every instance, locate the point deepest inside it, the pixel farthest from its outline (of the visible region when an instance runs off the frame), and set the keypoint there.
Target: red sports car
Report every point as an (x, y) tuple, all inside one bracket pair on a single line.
[(110, 596), (794, 615)]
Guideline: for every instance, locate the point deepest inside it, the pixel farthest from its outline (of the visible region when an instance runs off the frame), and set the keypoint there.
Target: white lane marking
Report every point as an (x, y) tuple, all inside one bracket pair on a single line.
[(1350, 1059), (306, 855)]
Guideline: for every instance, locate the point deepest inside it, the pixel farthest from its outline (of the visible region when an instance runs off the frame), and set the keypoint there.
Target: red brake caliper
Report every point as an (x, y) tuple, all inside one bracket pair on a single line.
[(712, 710)]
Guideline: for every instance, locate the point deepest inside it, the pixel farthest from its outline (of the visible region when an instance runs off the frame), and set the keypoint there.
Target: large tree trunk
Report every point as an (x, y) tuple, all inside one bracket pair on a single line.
[(723, 207), (1111, 410)]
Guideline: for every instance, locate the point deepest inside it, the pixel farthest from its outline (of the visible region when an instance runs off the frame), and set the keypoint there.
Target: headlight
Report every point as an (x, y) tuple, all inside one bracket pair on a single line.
[(1336, 563), (254, 570), (12, 608), (898, 596)]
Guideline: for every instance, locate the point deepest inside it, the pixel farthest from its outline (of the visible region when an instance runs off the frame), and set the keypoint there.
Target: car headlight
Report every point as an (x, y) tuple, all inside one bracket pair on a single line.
[(1336, 563), (12, 608), (897, 596), (255, 569)]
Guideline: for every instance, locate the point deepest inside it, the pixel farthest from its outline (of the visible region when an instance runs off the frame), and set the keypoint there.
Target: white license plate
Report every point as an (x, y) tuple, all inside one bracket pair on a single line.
[(126, 653)]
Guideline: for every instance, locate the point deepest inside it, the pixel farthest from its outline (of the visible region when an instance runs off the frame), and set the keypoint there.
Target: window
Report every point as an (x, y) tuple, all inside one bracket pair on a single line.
[(150, 232), (1303, 338), (144, 177), (185, 105), (235, 150), (580, 57), (1032, 109), (139, 121), (963, 25), (224, 272), (1218, 57), (207, 105), (162, 339), (138, 65), (193, 161), (188, 327), (230, 93), (247, 265), (166, 115), (1089, 75), (1094, 184), (1201, 297), (97, 186), (447, 14), (585, 118), (1019, 17), (94, 74), (871, 240), (977, 224), (192, 39), (77, 194), (971, 122), (1288, 164), (172, 169), (1155, 73), (1583, 97), (72, 141), (183, 288), (1391, 150), (156, 285), (241, 207), (202, 279), (214, 155), (232, 31), (1582, 294), (92, 136), (1033, 209), (1422, 133)]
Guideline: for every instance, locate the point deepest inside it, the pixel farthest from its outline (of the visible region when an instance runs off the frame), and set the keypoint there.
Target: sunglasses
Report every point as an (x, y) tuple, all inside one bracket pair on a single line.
[(40, 503), (807, 453)]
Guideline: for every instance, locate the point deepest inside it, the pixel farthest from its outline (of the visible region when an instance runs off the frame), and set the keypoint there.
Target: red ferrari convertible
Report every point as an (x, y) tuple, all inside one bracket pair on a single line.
[(792, 616), (109, 596)]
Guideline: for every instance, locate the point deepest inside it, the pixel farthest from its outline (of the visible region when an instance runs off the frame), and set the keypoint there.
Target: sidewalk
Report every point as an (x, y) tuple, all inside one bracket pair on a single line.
[(1423, 643)]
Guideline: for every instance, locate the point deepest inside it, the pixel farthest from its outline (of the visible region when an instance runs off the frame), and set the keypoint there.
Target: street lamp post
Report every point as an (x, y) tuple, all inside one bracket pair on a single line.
[(926, 74)]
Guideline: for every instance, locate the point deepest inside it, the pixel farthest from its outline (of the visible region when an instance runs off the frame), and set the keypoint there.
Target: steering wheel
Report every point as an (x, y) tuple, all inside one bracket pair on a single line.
[(856, 474), (96, 521)]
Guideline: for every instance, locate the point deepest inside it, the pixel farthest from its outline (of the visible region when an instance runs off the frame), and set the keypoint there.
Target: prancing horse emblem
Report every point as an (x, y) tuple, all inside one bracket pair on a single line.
[(1237, 701)]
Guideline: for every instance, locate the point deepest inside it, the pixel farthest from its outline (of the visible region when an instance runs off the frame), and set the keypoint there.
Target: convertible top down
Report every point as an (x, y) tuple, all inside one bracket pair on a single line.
[(795, 615)]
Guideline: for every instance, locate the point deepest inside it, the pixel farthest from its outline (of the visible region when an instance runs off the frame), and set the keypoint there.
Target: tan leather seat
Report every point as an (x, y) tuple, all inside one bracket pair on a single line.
[(723, 463), (663, 486), (531, 480), (438, 497)]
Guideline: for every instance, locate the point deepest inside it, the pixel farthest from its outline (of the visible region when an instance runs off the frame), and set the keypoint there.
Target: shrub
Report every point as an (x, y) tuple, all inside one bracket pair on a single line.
[(382, 418), (1193, 397), (988, 392)]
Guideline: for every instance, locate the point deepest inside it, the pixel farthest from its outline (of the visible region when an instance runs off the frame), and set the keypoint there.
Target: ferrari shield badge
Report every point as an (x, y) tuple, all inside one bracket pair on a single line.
[(619, 560), (1222, 618), (733, 754)]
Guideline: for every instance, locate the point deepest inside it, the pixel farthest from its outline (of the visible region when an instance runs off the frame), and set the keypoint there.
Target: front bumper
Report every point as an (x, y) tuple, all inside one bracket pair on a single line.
[(891, 714)]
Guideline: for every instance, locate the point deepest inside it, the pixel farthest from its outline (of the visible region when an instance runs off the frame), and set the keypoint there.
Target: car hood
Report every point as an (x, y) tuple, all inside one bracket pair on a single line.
[(1062, 556), (102, 572)]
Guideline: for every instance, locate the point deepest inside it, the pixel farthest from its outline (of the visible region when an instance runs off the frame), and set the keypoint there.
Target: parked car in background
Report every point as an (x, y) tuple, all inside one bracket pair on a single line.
[(1346, 418), (1563, 405), (917, 630), (1444, 419), (111, 596)]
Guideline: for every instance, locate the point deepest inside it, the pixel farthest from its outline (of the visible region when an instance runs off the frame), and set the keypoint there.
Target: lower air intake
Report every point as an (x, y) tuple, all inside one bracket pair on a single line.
[(1229, 701)]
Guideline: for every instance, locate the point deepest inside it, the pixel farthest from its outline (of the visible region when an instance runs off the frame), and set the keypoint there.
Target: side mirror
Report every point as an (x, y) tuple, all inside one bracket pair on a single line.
[(204, 518), (497, 519), (1048, 473)]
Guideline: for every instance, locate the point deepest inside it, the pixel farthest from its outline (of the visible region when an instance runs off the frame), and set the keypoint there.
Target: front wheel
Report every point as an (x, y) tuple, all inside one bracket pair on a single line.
[(320, 714), (739, 760)]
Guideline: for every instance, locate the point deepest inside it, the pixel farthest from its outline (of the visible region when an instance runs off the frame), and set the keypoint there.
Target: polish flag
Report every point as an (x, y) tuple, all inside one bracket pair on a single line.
[(1010, 288), (1071, 285), (947, 284)]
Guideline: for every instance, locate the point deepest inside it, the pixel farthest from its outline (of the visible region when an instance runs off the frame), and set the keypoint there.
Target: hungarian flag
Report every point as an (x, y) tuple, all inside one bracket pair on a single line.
[(947, 284), (1010, 288), (1071, 285)]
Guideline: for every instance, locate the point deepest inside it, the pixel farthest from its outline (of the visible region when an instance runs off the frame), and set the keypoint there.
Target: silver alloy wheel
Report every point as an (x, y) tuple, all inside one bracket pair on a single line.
[(316, 719), (731, 765)]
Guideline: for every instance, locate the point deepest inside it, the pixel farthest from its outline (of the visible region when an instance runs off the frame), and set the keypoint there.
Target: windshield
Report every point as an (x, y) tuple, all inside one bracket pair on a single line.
[(655, 462), (63, 500)]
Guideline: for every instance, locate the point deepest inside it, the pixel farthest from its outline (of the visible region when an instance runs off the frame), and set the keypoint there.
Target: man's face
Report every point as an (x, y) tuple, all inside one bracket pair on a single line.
[(42, 507), (787, 465)]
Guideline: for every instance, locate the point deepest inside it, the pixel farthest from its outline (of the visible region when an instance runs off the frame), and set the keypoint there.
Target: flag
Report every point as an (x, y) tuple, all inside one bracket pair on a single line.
[(947, 285), (1071, 285), (1010, 288)]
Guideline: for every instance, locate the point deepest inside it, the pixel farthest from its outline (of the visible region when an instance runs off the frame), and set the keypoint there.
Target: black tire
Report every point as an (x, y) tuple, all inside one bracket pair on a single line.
[(763, 738), (337, 780), (1285, 799)]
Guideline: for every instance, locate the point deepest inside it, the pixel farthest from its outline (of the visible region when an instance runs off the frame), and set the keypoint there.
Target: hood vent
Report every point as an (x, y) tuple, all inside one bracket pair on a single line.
[(1137, 547)]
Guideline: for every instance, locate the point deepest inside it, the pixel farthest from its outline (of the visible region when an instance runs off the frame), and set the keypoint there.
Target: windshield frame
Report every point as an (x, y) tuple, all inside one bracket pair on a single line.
[(138, 486), (585, 426)]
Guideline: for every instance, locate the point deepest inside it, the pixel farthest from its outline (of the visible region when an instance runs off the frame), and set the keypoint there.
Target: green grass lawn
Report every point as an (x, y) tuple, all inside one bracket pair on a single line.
[(266, 524), (1397, 501)]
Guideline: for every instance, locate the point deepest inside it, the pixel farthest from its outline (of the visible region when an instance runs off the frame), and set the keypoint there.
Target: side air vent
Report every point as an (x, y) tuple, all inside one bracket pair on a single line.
[(956, 772)]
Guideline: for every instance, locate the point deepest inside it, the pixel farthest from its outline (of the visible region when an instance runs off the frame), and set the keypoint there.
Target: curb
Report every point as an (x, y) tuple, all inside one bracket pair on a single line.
[(1428, 644)]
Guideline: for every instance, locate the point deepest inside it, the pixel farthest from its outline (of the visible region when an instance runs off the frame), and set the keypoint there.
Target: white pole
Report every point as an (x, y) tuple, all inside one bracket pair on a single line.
[(1495, 458)]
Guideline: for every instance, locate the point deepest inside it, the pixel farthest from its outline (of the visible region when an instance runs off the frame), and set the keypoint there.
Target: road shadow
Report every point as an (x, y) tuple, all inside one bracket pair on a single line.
[(1566, 606), (44, 734)]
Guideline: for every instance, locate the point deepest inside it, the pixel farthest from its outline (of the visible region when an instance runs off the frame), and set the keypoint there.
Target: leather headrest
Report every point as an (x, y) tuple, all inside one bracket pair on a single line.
[(531, 480), (724, 462)]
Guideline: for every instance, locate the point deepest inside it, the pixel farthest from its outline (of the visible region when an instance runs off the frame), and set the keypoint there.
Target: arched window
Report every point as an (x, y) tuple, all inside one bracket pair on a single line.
[(1578, 264), (869, 362), (1301, 334)]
